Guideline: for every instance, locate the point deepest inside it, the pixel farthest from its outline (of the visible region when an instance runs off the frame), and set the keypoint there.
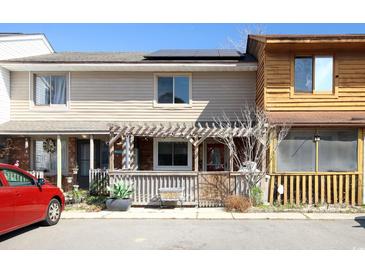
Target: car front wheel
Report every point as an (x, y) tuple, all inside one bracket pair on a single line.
[(53, 212)]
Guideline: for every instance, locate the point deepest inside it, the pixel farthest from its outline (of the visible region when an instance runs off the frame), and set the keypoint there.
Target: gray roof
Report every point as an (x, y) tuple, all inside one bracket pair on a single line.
[(80, 127), (28, 127), (117, 57)]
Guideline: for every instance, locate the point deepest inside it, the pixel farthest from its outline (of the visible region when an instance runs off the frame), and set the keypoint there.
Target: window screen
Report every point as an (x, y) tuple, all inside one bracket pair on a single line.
[(297, 152), (337, 150)]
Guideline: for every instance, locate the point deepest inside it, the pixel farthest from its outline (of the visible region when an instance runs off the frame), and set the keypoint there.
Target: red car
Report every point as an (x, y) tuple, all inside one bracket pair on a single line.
[(25, 200)]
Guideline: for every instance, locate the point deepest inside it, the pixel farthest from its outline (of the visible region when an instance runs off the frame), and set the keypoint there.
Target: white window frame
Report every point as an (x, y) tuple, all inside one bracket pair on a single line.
[(64, 156), (172, 105), (50, 107), (171, 168)]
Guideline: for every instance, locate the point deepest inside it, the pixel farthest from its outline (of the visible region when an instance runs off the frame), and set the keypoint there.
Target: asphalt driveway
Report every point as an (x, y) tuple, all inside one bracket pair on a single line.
[(190, 234)]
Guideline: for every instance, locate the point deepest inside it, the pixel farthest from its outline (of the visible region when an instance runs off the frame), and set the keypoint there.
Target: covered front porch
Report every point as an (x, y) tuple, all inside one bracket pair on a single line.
[(180, 155)]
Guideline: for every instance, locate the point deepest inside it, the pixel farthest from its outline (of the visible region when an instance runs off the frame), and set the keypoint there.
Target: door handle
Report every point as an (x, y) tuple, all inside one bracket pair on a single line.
[(17, 194)]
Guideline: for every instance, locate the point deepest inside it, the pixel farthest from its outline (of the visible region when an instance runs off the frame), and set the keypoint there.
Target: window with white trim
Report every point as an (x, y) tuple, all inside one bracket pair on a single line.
[(173, 89), (47, 161), (172, 154), (50, 90)]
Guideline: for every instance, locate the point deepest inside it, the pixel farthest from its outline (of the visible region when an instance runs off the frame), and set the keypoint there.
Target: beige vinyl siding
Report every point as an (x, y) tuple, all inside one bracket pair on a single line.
[(350, 84), (112, 96), (4, 95)]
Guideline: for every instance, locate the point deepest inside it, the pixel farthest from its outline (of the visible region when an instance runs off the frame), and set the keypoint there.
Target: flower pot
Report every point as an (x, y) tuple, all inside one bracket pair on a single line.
[(118, 204)]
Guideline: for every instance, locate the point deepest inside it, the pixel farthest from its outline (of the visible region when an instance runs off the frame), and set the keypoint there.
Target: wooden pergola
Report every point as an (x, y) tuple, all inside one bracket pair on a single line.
[(195, 133)]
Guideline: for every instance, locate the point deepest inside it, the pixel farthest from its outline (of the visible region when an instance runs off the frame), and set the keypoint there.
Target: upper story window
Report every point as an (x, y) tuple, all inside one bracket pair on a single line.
[(50, 90), (313, 74), (173, 89)]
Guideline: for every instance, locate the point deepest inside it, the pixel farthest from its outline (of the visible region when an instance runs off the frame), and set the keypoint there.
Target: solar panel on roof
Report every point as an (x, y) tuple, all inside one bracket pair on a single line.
[(194, 53)]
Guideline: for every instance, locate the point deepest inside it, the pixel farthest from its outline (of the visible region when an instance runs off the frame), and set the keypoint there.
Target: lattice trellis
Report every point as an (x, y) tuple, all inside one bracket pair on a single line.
[(195, 133)]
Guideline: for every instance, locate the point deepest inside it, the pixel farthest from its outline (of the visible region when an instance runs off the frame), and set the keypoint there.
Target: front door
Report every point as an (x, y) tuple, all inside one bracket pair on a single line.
[(215, 157), (83, 161)]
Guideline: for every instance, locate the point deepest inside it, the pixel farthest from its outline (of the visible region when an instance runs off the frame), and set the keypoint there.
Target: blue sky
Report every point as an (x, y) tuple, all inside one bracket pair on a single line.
[(149, 37)]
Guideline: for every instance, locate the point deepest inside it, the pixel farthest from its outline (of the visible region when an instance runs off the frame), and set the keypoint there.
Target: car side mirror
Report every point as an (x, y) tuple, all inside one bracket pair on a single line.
[(40, 182)]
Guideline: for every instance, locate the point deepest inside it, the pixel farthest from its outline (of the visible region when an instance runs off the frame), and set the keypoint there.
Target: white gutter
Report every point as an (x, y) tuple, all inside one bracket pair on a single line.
[(130, 67)]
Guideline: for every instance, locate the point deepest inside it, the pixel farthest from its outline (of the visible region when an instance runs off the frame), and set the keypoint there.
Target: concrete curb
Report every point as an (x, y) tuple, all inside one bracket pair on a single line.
[(208, 214)]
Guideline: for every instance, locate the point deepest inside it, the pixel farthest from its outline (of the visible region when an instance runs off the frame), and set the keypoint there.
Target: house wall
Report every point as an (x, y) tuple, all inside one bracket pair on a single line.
[(21, 151), (258, 50), (4, 95), (123, 96), (349, 84), (17, 46)]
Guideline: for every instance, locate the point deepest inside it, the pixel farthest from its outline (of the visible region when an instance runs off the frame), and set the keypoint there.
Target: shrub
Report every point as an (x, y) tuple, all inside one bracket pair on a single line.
[(256, 195), (237, 203), (121, 190)]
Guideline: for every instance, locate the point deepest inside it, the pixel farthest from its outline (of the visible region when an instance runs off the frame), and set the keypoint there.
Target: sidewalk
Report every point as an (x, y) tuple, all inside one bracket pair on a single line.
[(206, 213)]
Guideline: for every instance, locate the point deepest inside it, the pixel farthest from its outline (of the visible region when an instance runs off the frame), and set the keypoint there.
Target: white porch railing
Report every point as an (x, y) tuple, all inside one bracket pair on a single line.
[(98, 181), (37, 173), (147, 184), (203, 188)]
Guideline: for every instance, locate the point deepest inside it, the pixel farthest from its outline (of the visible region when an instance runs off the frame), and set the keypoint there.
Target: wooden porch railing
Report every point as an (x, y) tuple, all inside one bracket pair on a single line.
[(316, 188)]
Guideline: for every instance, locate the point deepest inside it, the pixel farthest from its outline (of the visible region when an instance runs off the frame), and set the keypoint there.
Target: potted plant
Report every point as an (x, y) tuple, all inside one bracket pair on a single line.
[(120, 193)]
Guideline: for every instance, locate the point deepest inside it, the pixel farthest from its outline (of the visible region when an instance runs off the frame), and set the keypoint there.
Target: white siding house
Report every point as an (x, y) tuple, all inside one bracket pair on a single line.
[(17, 46)]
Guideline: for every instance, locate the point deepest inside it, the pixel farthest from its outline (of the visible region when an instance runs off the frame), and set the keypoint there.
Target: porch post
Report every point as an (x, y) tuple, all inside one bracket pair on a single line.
[(111, 153), (91, 151), (231, 159), (196, 158), (59, 162), (132, 164), (125, 152)]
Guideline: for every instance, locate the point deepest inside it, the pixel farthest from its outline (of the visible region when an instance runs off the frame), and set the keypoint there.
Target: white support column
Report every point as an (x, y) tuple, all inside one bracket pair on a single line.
[(125, 152), (132, 162), (92, 152), (196, 158), (59, 162)]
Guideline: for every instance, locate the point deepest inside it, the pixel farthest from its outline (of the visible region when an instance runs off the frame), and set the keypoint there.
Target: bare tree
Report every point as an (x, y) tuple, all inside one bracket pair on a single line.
[(241, 42), (250, 151)]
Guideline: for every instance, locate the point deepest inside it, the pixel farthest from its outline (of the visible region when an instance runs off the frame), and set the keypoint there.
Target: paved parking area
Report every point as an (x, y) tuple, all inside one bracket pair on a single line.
[(190, 234)]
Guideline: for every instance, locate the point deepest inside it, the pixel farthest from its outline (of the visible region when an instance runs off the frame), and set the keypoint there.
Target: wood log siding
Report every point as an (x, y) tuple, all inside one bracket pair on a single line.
[(316, 188), (350, 84), (127, 96)]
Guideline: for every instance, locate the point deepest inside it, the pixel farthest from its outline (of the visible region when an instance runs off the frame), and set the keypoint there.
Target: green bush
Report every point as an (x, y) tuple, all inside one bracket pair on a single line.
[(256, 195)]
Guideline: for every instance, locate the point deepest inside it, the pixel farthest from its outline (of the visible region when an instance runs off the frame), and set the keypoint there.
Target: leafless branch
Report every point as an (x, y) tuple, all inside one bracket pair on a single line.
[(250, 151)]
